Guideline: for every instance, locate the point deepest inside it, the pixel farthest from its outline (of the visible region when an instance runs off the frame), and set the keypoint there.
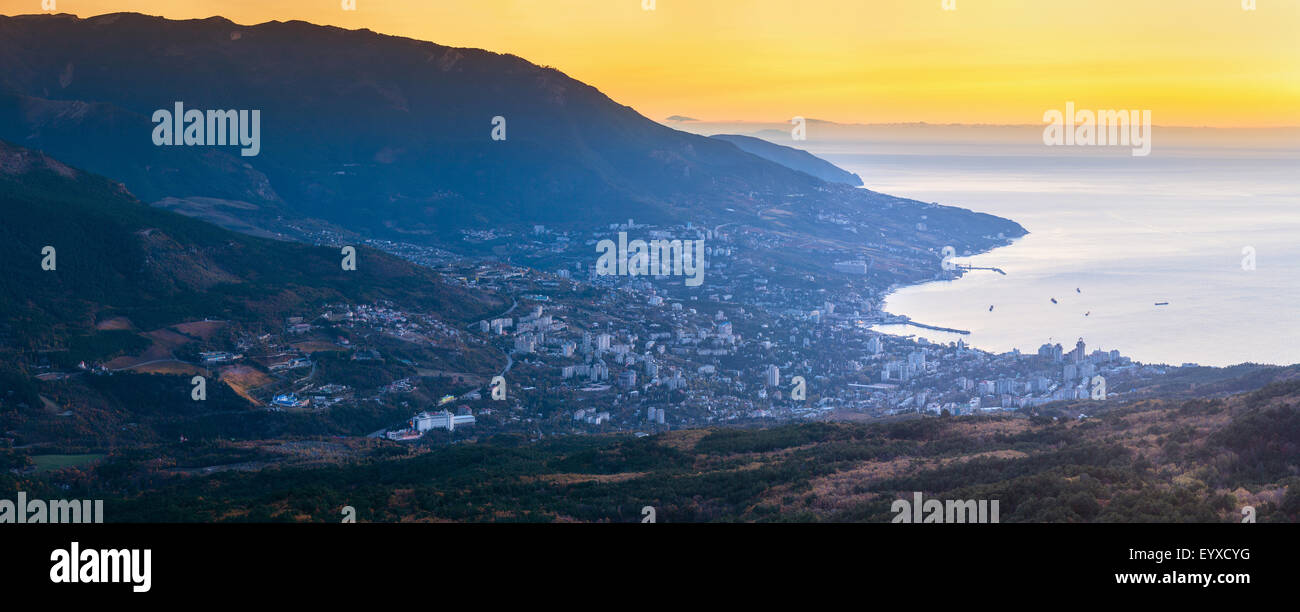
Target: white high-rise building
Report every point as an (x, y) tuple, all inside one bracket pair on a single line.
[(773, 376)]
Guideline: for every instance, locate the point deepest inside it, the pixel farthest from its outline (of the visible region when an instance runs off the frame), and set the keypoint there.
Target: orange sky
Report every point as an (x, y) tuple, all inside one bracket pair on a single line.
[(1191, 62)]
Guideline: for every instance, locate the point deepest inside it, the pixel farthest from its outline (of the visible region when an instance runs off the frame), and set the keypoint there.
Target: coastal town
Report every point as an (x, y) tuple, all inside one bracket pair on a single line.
[(578, 351), (582, 351)]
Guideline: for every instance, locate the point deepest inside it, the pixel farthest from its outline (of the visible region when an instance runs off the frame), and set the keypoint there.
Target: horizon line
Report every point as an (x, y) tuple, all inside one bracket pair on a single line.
[(668, 122)]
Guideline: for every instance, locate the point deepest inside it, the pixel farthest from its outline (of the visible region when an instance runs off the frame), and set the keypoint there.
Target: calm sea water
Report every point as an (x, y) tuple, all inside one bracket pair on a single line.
[(1110, 236)]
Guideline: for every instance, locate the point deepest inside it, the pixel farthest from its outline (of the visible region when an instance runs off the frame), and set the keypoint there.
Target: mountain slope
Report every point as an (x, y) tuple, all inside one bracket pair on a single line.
[(1143, 462), (135, 293), (117, 257), (795, 159), (393, 136)]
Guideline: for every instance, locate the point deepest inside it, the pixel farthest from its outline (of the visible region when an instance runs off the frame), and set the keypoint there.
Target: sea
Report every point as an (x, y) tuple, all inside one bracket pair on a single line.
[(1190, 254)]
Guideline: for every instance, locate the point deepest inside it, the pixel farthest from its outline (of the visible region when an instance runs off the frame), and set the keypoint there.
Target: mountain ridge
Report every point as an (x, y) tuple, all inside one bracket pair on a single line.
[(791, 157), (419, 160)]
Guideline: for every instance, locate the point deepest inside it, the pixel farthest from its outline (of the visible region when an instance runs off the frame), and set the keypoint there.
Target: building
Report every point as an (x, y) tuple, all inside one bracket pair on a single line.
[(218, 357), (773, 376), (289, 400), (289, 364), (570, 371), (853, 267), (443, 419), (898, 370), (403, 435)]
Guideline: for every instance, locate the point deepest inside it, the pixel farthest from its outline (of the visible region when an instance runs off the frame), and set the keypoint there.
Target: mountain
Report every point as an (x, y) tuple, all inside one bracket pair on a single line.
[(135, 294), (393, 137), (1137, 463), (795, 159), (114, 256)]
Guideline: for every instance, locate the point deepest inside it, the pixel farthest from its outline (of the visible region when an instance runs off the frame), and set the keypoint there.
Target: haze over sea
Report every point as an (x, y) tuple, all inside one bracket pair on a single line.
[(1126, 232)]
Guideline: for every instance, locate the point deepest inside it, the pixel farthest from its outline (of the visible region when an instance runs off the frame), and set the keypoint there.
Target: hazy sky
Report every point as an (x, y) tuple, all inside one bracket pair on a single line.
[(1191, 62)]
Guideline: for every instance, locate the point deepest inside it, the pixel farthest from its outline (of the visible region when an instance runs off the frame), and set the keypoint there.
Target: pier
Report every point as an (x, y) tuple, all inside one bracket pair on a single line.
[(905, 320), (937, 328)]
